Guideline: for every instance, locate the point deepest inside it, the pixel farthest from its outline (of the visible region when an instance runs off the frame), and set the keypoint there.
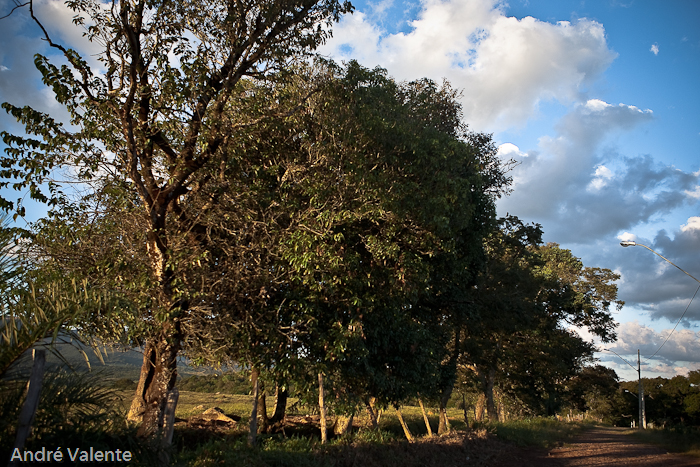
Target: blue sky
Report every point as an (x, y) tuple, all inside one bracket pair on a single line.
[(597, 100)]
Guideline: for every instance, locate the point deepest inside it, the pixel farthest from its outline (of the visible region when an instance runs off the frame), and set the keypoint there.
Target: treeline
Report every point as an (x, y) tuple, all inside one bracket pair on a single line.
[(322, 225), (596, 394), (668, 402)]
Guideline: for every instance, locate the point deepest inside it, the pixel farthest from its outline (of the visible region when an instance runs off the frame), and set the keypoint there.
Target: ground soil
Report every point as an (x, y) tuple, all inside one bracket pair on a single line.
[(597, 447)]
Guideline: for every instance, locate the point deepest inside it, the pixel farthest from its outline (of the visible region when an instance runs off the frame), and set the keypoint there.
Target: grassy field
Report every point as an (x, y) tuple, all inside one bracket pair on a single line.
[(540, 432), (301, 446), (191, 403), (387, 446), (482, 444)]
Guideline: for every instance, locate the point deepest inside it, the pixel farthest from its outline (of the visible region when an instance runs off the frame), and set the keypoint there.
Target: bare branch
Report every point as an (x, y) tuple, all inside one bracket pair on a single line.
[(13, 10)]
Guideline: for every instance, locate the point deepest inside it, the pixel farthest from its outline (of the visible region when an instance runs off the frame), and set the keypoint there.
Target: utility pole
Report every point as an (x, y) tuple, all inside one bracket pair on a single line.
[(642, 411)]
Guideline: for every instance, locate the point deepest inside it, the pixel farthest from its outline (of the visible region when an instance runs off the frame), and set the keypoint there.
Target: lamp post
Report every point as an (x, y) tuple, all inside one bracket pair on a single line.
[(626, 244), (642, 414), (642, 407), (644, 422)]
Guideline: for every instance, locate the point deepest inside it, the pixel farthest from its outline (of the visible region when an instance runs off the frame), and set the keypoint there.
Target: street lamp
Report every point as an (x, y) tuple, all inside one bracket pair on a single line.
[(642, 407), (626, 244), (643, 404), (642, 414)]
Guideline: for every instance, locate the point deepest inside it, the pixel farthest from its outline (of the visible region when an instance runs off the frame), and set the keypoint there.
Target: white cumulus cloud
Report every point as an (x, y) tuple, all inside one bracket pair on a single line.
[(601, 177), (596, 105), (505, 65), (507, 150), (692, 225), (654, 49), (581, 189)]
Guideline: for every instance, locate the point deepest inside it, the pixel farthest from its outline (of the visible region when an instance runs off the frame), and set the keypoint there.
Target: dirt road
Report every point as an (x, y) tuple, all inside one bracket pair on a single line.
[(600, 447)]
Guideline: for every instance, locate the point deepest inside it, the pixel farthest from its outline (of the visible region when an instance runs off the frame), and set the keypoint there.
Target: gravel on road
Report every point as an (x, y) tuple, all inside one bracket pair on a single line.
[(601, 446)]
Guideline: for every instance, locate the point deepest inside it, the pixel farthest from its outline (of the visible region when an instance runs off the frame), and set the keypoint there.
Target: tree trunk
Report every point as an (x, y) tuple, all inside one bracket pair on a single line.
[(425, 418), (464, 409), (322, 409), (253, 433), (501, 408), (169, 427), (262, 413), (490, 405), (276, 422), (406, 431), (448, 386), (157, 379), (159, 368)]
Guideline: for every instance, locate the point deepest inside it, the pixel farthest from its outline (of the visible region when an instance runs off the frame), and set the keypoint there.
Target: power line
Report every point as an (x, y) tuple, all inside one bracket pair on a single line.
[(674, 327)]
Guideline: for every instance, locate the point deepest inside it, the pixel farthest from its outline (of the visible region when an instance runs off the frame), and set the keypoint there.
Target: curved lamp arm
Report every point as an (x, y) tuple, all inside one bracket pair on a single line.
[(626, 244)]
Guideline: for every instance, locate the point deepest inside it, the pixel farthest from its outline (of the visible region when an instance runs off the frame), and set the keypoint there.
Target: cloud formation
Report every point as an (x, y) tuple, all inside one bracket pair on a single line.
[(656, 286), (505, 65), (582, 188), (654, 49), (682, 346)]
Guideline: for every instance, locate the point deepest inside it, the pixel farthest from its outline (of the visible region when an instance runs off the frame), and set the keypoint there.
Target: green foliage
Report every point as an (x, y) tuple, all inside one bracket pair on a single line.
[(41, 309), (669, 402), (582, 295), (524, 301), (150, 131), (592, 391), (49, 313), (240, 206)]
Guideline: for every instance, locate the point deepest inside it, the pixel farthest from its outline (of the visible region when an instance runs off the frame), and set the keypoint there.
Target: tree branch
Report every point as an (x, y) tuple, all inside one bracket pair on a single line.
[(13, 10)]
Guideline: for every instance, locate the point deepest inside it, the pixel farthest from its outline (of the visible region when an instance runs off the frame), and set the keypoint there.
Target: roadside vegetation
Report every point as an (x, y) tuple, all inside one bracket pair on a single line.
[(540, 432), (680, 439)]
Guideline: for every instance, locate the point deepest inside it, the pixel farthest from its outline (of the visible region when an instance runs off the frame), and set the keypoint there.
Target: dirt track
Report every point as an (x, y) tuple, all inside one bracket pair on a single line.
[(599, 447)]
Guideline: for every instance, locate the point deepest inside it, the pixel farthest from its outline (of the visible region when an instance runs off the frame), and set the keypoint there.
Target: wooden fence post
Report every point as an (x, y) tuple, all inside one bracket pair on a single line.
[(253, 427), (425, 418), (322, 409), (168, 426), (406, 431)]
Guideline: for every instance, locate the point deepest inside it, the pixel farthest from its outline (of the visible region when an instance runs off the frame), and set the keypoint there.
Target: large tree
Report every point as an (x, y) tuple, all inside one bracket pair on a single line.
[(155, 119), (322, 243), (381, 184)]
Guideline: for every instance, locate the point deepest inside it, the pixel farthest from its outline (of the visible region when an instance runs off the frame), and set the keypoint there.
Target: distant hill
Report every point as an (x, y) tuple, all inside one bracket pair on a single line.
[(117, 364)]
